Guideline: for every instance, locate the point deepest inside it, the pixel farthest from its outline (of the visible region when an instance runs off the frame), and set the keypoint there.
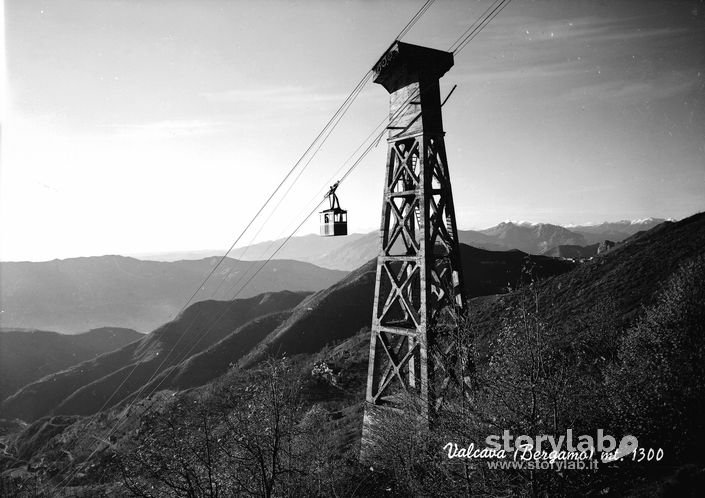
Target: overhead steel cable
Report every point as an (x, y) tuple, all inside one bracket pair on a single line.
[(281, 199), (414, 19), (132, 398), (409, 25), (324, 188), (376, 136), (480, 23), (487, 20), (339, 114), (468, 36), (370, 146), (401, 34), (457, 42), (325, 132), (136, 396), (331, 123), (320, 140)]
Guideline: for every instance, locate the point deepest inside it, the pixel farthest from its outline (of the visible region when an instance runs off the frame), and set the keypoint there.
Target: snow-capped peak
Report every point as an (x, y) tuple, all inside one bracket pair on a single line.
[(648, 220), (642, 221), (521, 223)]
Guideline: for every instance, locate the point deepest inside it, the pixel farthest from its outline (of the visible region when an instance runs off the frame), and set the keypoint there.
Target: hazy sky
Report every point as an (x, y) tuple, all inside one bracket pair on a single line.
[(153, 125)]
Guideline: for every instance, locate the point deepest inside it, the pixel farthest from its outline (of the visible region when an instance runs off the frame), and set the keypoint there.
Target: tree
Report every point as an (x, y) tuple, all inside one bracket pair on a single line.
[(176, 452), (235, 438), (259, 429), (657, 386)]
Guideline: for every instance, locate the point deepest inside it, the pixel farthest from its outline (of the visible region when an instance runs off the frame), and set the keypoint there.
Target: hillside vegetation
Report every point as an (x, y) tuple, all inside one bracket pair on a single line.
[(109, 378), (26, 356)]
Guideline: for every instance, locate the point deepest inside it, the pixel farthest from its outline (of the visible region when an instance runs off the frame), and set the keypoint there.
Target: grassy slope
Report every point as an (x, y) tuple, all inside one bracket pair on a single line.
[(219, 357), (85, 387), (619, 283), (26, 356), (340, 311)]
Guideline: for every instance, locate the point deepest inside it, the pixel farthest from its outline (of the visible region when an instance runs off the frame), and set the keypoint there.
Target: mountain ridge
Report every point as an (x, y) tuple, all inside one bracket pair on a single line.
[(531, 237), (85, 387), (92, 292), (29, 355)]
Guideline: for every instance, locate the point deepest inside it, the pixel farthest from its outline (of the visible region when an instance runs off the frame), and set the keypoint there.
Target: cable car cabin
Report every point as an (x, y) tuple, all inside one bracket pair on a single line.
[(334, 220)]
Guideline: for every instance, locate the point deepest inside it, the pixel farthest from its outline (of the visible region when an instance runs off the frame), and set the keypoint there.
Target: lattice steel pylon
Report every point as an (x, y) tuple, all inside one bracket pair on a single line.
[(418, 266)]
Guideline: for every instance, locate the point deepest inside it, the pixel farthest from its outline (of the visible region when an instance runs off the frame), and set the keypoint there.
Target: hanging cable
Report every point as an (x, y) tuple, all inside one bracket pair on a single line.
[(370, 146), (136, 396), (406, 104), (480, 23), (458, 46), (414, 19), (331, 123), (327, 129), (320, 140)]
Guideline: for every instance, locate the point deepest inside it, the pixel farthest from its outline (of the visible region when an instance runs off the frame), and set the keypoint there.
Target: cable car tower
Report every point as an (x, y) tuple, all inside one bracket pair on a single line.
[(418, 266)]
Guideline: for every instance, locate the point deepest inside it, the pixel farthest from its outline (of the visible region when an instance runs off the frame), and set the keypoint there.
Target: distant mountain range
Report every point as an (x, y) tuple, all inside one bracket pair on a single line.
[(621, 281), (530, 238), (348, 253), (615, 231), (85, 293), (212, 336), (26, 356), (297, 248)]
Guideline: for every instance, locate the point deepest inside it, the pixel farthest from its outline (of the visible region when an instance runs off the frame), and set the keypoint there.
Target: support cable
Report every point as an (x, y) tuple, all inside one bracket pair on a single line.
[(370, 146), (480, 23), (329, 126), (331, 123)]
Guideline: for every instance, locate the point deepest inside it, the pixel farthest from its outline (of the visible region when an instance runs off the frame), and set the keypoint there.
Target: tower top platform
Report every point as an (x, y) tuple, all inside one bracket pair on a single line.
[(404, 63)]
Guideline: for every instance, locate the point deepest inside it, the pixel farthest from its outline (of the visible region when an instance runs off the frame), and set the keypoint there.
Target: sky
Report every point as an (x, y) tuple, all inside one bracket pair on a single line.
[(134, 126)]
